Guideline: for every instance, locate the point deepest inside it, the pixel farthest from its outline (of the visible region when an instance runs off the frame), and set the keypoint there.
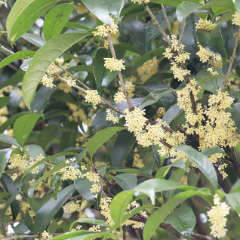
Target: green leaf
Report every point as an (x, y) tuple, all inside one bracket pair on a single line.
[(237, 4), (131, 170), (24, 14), (15, 56), (129, 47), (127, 181), (24, 126), (9, 140), (147, 56), (28, 221), (228, 4), (212, 41), (152, 30), (4, 101), (100, 72), (210, 151), (185, 9), (15, 78), (45, 214), (119, 205), (171, 113), (84, 68), (10, 200), (56, 20), (100, 138), (76, 25), (183, 220), (235, 116), (151, 186), (154, 96), (4, 157), (234, 200), (49, 173), (47, 136), (202, 162), (34, 39), (36, 71), (158, 216), (173, 3), (90, 221), (122, 147)]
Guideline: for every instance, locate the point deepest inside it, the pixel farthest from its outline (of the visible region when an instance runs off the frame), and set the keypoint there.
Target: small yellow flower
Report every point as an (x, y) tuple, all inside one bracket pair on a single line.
[(114, 64), (93, 97), (119, 97), (236, 18), (205, 24)]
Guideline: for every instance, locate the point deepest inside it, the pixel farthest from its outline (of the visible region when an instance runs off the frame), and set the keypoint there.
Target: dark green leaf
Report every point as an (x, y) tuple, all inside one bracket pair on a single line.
[(36, 71), (15, 78), (24, 14), (15, 57), (50, 208), (129, 47), (56, 20), (228, 4), (4, 101), (202, 162), (34, 39), (76, 25), (154, 96), (28, 221), (171, 113), (4, 157), (24, 126), (183, 220), (127, 181), (173, 3), (122, 147), (101, 74), (101, 137)]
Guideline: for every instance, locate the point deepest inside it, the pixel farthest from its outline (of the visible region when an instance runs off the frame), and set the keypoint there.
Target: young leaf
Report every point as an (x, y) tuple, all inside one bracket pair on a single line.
[(4, 157), (202, 162), (100, 138), (56, 20), (24, 126), (24, 14), (102, 74), (36, 71), (45, 214), (15, 57)]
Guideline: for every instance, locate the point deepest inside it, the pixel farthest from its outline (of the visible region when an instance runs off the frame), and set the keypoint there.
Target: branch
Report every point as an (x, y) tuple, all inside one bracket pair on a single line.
[(6, 224), (119, 74), (166, 18), (182, 31), (231, 63), (6, 50)]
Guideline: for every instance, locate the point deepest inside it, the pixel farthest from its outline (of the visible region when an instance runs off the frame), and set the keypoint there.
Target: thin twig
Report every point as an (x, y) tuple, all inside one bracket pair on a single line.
[(74, 198), (119, 73), (166, 18), (157, 24), (6, 50), (231, 63), (182, 31)]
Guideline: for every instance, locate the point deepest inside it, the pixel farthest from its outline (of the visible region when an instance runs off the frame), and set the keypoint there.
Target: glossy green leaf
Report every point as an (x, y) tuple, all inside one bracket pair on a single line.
[(202, 162), (4, 101), (101, 137), (154, 96), (24, 14), (210, 151), (10, 200), (228, 4), (129, 47), (76, 25), (127, 181), (152, 30), (56, 20), (212, 41), (235, 116), (101, 74), (50, 208), (49, 173), (151, 186), (4, 157), (185, 9), (147, 56), (55, 184), (78, 68), (90, 221), (15, 78), (36, 71), (122, 147), (131, 170), (183, 220), (158, 216), (24, 126), (234, 200), (173, 3), (34, 39), (9, 140), (171, 113), (28, 221), (15, 57)]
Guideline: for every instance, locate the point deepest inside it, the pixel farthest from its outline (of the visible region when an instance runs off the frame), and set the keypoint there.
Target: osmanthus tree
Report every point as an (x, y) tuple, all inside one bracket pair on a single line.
[(120, 119)]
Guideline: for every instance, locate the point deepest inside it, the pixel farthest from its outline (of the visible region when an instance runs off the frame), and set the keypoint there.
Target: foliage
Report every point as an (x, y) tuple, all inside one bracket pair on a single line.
[(119, 119)]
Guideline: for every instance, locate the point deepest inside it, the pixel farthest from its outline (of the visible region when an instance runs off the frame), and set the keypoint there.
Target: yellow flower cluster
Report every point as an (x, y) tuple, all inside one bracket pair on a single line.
[(119, 97), (63, 86), (160, 112), (95, 228), (181, 58), (168, 53), (70, 172), (217, 217), (111, 117), (130, 88), (137, 163), (148, 69), (175, 27), (92, 97), (140, 1), (46, 236), (178, 72), (205, 24), (103, 30), (236, 18), (105, 210), (205, 55), (211, 70), (72, 206), (81, 8), (92, 177), (114, 64), (47, 81)]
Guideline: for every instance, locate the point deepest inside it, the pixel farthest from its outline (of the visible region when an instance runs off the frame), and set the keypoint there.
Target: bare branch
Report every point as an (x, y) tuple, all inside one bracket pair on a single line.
[(166, 18)]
